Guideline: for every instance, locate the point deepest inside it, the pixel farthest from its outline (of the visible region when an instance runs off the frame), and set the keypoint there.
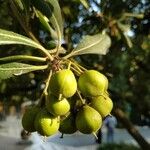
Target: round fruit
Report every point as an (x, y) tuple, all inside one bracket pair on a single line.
[(63, 82), (103, 104), (46, 124), (29, 117), (88, 120), (57, 107), (92, 83), (68, 126)]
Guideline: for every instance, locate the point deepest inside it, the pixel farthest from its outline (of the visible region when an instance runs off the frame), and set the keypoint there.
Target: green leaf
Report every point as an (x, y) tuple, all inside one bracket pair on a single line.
[(124, 28), (128, 40), (56, 17), (22, 58), (43, 7), (8, 37), (45, 22), (85, 3), (20, 4), (139, 16), (15, 69), (51, 9), (26, 5), (96, 44)]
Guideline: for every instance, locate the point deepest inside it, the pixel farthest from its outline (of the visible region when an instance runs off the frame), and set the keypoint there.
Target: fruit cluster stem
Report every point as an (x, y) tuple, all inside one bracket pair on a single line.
[(82, 100), (45, 93), (95, 135), (60, 97), (81, 67), (73, 64), (76, 71), (69, 65), (47, 83)]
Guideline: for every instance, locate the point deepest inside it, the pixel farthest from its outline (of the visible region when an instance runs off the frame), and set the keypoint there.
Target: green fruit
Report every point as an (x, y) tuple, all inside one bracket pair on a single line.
[(63, 82), (29, 117), (68, 126), (92, 83), (103, 104), (57, 107), (88, 120), (46, 124)]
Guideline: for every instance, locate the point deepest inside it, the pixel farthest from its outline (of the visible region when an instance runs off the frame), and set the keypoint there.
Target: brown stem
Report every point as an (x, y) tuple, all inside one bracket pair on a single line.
[(120, 115)]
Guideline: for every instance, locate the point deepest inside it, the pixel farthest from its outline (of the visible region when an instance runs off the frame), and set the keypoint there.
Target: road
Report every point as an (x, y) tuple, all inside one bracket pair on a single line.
[(10, 137)]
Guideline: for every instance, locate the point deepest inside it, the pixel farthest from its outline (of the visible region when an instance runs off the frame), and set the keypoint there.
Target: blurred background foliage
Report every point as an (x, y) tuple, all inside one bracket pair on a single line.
[(126, 65)]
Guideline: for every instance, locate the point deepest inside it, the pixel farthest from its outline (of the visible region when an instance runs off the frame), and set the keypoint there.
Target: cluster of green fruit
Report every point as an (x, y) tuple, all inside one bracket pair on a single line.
[(71, 106)]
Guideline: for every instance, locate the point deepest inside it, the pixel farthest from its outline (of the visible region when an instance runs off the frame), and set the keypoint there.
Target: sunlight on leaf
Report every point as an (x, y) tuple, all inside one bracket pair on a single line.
[(56, 18), (16, 69), (85, 3), (96, 44), (8, 37), (125, 28), (19, 3)]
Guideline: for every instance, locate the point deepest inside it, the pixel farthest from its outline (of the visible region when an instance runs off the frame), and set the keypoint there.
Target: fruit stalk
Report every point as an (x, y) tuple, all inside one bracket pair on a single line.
[(82, 100), (81, 67), (45, 93), (76, 71)]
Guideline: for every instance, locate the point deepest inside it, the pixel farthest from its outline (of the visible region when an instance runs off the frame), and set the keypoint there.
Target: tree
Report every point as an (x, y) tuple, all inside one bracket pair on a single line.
[(127, 60)]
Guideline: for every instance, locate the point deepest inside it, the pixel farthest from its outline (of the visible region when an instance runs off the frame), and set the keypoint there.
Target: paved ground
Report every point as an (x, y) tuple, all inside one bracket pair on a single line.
[(9, 143), (10, 138), (10, 134)]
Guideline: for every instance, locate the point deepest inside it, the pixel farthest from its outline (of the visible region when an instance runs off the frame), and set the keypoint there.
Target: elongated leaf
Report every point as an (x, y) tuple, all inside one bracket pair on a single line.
[(43, 7), (125, 28), (85, 3), (139, 16), (26, 5), (19, 3), (45, 22), (8, 37), (51, 9), (128, 40), (96, 44), (56, 17), (15, 69)]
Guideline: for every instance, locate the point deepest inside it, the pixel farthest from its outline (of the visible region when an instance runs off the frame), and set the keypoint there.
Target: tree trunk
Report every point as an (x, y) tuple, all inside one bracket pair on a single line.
[(120, 115)]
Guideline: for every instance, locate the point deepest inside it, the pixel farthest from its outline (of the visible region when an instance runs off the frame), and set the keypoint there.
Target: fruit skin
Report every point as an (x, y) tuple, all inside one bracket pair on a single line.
[(88, 120), (46, 124), (29, 117), (103, 104), (68, 126), (57, 107), (63, 82), (92, 83)]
